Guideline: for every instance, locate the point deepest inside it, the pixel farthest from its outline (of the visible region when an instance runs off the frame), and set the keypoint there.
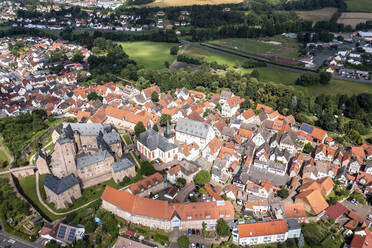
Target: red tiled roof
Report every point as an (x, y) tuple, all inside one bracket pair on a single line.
[(336, 211)]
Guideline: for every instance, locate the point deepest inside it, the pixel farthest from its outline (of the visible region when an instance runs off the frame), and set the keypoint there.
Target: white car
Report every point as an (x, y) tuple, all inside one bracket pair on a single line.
[(155, 197), (11, 241)]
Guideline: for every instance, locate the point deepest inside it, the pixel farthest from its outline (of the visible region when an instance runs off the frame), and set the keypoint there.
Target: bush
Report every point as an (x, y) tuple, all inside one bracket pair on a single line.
[(283, 193), (222, 228), (183, 241)]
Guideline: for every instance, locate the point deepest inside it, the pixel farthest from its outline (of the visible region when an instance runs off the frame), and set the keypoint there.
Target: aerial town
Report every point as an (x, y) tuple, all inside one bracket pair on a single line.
[(124, 126)]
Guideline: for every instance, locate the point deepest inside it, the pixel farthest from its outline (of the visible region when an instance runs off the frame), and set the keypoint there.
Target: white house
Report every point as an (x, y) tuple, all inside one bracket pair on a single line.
[(190, 131), (261, 233)]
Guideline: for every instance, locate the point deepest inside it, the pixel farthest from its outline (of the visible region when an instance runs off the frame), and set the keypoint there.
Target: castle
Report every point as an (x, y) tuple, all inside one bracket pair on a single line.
[(89, 153)]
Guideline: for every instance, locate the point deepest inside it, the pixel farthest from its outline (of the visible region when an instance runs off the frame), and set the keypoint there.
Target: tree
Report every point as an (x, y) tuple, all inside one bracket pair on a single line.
[(255, 74), (94, 96), (166, 64), (325, 77), (202, 191), (147, 169), (181, 181), (164, 118), (155, 128), (174, 50), (308, 148), (78, 56), (283, 193), (139, 128), (202, 178), (183, 241), (222, 228), (155, 96)]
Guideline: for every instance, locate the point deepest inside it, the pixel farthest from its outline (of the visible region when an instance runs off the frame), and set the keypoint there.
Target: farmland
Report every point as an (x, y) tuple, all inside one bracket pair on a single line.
[(269, 46), (359, 5), (354, 18), (211, 56), (174, 3), (324, 14), (151, 55)]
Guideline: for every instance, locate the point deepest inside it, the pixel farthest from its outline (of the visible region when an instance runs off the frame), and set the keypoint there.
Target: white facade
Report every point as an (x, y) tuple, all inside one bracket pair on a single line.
[(188, 139)]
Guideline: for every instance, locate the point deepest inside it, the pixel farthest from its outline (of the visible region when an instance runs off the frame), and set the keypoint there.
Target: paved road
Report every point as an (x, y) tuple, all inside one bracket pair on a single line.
[(360, 209), (184, 192), (18, 243)]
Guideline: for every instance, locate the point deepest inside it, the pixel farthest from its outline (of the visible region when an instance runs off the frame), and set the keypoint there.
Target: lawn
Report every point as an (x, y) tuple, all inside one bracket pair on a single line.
[(89, 194), (269, 46), (151, 55), (27, 187), (155, 234), (359, 5), (334, 87), (211, 56)]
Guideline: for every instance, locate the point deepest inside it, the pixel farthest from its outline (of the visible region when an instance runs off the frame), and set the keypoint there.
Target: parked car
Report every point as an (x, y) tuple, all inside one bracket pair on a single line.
[(155, 196)]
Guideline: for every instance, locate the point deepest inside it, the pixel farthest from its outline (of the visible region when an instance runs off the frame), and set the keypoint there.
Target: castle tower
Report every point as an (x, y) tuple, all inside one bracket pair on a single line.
[(77, 140), (66, 151), (41, 163), (169, 134)]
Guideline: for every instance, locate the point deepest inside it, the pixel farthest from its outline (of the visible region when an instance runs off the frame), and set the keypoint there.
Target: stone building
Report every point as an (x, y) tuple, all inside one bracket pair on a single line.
[(41, 162), (63, 191), (190, 131), (123, 168), (88, 152)]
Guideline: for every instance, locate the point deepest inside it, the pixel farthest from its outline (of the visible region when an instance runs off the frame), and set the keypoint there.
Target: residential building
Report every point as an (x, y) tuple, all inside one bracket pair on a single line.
[(164, 215), (261, 233), (151, 184), (190, 131)]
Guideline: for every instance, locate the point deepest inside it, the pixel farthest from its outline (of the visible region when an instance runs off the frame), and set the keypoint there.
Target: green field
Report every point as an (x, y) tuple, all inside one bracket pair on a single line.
[(359, 5), (151, 55), (211, 56), (334, 87), (287, 49), (28, 189)]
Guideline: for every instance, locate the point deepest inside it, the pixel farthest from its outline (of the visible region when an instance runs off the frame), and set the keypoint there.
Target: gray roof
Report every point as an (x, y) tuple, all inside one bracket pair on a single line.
[(90, 159), (112, 138), (88, 129), (191, 127), (153, 140), (40, 154), (122, 164), (59, 186), (225, 94), (293, 224)]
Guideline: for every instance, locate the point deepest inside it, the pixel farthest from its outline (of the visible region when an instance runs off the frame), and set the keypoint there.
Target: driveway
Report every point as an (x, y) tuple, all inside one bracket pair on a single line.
[(184, 192), (362, 210)]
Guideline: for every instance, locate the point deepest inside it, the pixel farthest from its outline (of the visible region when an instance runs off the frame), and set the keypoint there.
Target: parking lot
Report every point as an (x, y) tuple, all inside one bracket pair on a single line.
[(362, 210)]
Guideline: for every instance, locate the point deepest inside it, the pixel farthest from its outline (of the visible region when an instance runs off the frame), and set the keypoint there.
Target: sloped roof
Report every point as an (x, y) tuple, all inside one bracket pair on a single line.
[(263, 228), (58, 186)]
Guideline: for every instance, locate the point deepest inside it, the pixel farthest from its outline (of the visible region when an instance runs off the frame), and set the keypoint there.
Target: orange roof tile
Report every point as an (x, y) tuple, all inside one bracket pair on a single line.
[(295, 210), (314, 199), (263, 228), (265, 108)]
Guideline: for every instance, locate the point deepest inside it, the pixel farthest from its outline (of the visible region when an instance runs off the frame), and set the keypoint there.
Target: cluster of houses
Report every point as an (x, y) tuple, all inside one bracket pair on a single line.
[(25, 80), (350, 55), (250, 153), (100, 20)]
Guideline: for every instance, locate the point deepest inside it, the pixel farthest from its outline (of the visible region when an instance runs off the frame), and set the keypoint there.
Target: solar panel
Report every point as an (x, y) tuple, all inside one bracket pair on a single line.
[(255, 187), (71, 235), (61, 232), (307, 128)]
